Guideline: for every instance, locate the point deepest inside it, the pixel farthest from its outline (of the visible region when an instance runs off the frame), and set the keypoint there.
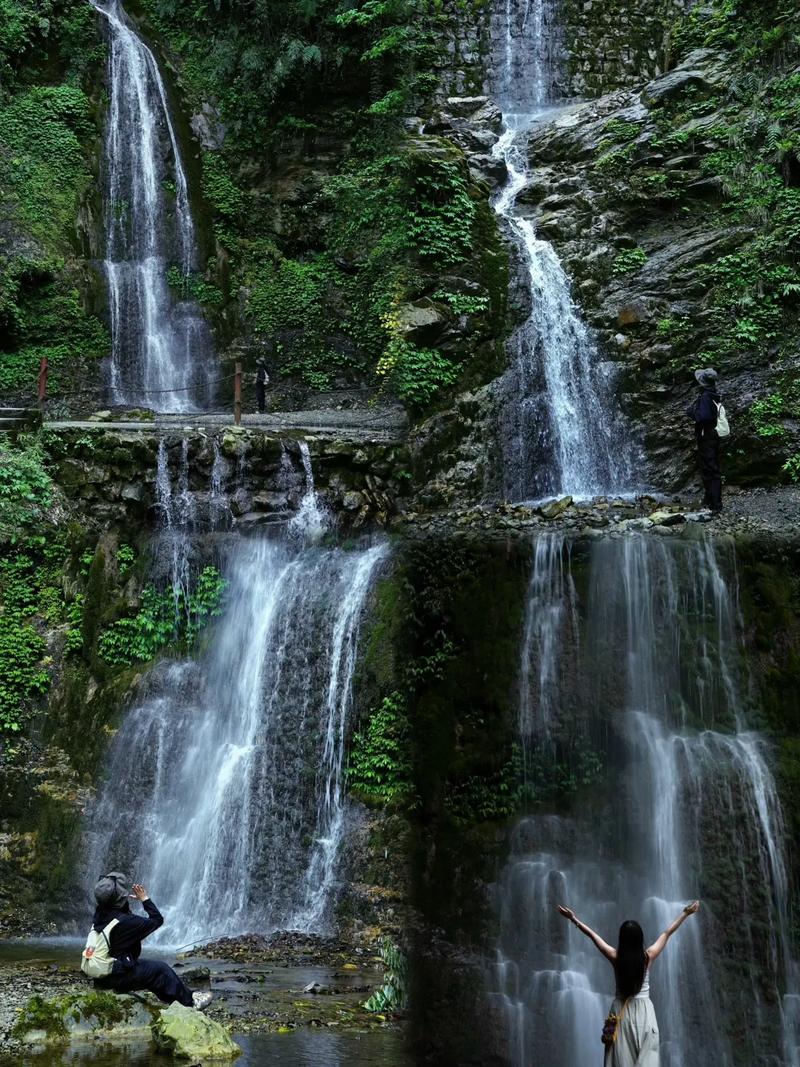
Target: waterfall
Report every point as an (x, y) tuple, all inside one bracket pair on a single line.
[(224, 790), (162, 353), (311, 520), (681, 804), (558, 429)]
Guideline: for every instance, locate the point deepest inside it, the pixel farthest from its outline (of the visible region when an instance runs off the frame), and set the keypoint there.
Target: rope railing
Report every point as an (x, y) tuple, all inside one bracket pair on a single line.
[(41, 388)]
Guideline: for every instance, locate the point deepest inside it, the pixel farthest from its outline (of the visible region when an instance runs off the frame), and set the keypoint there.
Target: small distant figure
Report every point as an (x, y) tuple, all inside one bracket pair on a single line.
[(114, 946), (262, 381), (710, 423), (631, 1033)]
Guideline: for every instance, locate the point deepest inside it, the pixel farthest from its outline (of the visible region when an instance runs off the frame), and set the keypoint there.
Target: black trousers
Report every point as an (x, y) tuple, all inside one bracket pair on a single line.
[(708, 451), (261, 396), (154, 975)]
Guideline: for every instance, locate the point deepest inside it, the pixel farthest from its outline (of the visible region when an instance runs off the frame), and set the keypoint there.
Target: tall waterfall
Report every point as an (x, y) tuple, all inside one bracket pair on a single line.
[(224, 789), (162, 352), (637, 665), (559, 432)]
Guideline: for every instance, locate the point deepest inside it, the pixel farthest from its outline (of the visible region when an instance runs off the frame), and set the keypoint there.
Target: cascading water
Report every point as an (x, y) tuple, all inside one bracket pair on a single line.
[(311, 520), (681, 804), (233, 762), (162, 352), (558, 429)]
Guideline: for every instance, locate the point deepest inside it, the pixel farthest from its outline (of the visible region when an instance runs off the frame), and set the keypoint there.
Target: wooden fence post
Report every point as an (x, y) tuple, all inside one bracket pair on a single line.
[(237, 395), (42, 383)]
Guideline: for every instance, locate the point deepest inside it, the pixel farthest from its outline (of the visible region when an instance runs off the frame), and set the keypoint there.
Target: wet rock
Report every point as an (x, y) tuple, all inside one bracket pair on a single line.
[(554, 508), (82, 1017), (191, 1035), (195, 974), (667, 518)]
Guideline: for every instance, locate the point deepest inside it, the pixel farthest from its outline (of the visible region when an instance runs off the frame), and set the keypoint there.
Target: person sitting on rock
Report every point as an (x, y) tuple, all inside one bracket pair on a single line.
[(129, 972), (704, 412)]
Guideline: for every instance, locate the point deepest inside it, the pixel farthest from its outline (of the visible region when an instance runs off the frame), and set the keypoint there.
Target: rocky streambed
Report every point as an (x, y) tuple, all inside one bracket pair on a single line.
[(288, 999)]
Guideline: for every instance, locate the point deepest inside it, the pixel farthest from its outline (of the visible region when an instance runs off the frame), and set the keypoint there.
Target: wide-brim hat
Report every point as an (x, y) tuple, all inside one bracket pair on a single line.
[(708, 376), (112, 890)]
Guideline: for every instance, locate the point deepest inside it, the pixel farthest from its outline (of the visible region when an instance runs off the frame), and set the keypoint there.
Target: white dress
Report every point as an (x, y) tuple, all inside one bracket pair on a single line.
[(637, 1041)]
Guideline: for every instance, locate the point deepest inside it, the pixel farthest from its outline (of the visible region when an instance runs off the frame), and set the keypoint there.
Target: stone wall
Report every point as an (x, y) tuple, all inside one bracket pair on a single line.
[(262, 475), (611, 44)]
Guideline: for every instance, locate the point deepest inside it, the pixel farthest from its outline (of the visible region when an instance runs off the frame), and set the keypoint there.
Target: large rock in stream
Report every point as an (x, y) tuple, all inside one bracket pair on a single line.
[(190, 1035), (98, 1015), (185, 1033)]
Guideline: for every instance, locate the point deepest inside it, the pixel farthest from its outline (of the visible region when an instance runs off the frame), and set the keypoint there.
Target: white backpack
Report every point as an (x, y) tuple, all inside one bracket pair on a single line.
[(723, 428), (96, 959)]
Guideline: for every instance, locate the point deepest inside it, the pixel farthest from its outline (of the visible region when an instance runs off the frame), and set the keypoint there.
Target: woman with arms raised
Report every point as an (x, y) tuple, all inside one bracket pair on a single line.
[(634, 1040)]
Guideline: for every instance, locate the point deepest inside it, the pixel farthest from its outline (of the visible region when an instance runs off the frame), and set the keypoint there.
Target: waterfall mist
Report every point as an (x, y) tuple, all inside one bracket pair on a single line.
[(634, 675), (162, 351)]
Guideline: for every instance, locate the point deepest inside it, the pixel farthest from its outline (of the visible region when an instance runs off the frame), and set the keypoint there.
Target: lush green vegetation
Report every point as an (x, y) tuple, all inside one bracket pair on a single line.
[(49, 52), (164, 617), (323, 278), (379, 767)]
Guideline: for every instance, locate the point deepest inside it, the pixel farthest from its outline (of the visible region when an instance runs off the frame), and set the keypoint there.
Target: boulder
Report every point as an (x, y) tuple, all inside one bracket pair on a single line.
[(554, 508), (667, 518), (189, 1035), (703, 68), (421, 321), (99, 1015)]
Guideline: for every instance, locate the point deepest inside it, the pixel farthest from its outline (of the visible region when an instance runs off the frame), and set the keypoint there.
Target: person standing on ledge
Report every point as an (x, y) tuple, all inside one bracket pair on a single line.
[(262, 381), (119, 935), (704, 411), (631, 1031)]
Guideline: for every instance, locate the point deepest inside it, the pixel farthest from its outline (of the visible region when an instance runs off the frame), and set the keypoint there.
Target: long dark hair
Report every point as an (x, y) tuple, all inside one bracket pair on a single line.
[(631, 961)]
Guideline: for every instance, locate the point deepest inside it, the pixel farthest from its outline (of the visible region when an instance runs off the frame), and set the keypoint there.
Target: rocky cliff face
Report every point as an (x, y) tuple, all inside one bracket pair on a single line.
[(672, 207)]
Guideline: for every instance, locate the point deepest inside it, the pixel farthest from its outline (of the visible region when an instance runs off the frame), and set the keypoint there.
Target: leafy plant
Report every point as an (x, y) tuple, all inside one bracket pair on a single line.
[(125, 559), (379, 766), (629, 260), (26, 488), (163, 618), (393, 994)]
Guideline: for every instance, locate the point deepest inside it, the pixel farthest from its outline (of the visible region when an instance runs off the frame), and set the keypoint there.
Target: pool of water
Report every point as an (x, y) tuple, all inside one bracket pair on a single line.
[(303, 1048), (245, 990)]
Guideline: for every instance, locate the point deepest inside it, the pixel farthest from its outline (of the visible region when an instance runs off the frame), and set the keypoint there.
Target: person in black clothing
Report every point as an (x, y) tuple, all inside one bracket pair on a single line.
[(704, 413), (130, 972), (262, 381)]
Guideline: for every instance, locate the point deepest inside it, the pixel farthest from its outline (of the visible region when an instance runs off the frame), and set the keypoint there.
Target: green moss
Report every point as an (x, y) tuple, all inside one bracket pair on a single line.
[(46, 1015), (52, 1015)]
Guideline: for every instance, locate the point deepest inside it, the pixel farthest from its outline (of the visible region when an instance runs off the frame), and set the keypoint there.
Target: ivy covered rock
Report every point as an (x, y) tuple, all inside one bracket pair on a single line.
[(189, 1035), (98, 1015)]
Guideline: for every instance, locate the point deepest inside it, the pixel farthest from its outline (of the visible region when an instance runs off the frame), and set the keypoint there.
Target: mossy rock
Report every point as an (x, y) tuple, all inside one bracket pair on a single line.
[(83, 1016), (189, 1035)]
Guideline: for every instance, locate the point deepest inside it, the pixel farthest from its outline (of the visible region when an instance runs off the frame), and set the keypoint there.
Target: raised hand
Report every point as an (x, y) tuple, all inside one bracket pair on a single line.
[(568, 913), (139, 892), (690, 909)]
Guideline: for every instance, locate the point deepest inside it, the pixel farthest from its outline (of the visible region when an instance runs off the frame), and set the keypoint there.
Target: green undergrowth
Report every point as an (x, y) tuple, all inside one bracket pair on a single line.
[(50, 57), (379, 766), (320, 278), (28, 561), (165, 617)]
